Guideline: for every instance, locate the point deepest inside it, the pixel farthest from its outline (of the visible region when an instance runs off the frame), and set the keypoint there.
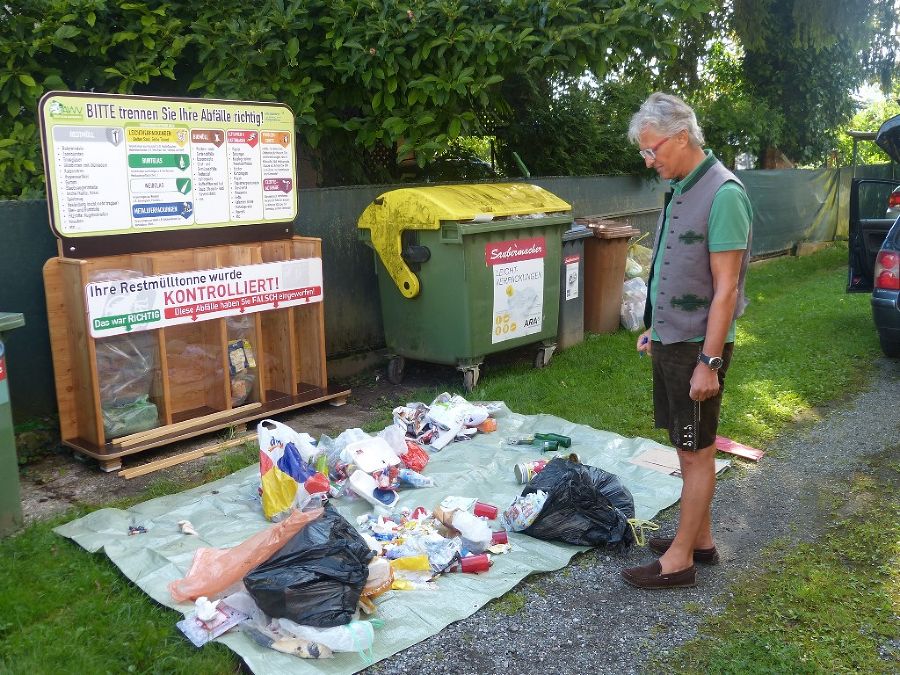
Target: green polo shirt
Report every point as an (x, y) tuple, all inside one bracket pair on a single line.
[(729, 227)]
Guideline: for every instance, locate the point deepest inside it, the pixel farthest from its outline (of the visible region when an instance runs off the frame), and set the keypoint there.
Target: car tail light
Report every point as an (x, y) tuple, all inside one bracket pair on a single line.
[(894, 200), (887, 270)]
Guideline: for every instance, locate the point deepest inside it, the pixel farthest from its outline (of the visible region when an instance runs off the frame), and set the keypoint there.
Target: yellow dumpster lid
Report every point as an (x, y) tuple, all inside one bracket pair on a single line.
[(423, 208)]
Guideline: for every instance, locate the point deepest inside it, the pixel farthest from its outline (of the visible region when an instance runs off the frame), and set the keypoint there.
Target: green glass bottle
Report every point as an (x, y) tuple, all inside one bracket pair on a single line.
[(563, 441)]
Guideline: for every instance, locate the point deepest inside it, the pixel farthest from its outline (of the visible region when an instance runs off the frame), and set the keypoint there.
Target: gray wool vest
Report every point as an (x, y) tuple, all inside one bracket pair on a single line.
[(685, 286)]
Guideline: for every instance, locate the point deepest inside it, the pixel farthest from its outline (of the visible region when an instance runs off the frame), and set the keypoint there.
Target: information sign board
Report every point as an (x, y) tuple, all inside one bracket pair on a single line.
[(125, 164)]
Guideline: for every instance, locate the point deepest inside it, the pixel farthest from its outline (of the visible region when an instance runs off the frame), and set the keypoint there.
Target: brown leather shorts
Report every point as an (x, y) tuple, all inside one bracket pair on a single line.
[(692, 424)]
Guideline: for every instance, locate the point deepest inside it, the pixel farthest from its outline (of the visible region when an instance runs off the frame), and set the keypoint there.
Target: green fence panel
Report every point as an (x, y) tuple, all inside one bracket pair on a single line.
[(27, 244), (789, 205)]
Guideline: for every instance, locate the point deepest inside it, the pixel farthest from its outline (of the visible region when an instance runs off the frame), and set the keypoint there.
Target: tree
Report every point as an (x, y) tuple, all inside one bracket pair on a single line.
[(805, 58), (359, 74), (869, 118), (734, 121)]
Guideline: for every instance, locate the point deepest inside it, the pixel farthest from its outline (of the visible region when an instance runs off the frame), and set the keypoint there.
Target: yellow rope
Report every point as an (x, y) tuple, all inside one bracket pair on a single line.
[(639, 526)]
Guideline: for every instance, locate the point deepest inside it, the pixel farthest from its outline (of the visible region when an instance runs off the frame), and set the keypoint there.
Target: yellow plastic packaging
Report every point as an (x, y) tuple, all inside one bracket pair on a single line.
[(413, 563)]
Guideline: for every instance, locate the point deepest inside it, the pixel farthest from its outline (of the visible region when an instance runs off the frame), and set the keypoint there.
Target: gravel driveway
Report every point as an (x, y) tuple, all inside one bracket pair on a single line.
[(585, 619)]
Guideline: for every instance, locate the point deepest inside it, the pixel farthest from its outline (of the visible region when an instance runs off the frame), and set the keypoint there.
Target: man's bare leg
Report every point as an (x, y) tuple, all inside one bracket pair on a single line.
[(698, 473)]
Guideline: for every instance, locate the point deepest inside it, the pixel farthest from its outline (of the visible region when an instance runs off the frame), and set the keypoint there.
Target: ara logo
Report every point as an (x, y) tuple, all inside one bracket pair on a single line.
[(531, 322), (59, 109)]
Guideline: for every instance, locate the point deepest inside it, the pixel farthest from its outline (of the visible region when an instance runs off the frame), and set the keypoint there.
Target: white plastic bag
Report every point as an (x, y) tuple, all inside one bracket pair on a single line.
[(285, 462), (634, 297), (272, 434), (356, 636), (475, 533)]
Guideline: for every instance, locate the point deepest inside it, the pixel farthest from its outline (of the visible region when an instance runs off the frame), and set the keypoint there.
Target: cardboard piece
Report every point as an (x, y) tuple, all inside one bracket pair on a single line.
[(665, 460), (734, 448)]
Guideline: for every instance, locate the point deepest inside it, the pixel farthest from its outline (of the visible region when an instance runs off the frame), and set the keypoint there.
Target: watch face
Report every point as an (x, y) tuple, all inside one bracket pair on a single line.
[(716, 362)]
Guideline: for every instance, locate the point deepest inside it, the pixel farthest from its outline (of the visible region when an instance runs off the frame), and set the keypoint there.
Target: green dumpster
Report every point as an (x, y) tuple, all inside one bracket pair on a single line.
[(465, 271), (10, 499)]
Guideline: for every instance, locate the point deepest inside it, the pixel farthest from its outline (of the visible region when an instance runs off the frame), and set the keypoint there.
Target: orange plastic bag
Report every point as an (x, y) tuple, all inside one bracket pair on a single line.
[(216, 569)]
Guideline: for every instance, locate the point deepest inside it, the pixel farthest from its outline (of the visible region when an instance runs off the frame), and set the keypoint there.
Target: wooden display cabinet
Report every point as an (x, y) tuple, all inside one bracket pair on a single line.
[(191, 384)]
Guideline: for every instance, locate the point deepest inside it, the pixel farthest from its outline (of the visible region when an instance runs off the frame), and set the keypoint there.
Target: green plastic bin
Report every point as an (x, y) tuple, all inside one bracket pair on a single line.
[(465, 271), (10, 497)]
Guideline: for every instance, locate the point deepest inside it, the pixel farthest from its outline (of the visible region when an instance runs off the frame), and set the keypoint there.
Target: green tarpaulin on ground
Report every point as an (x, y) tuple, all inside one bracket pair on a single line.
[(227, 511)]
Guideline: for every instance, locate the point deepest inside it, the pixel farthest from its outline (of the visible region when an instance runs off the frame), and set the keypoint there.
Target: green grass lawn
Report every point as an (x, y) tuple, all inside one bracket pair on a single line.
[(803, 343)]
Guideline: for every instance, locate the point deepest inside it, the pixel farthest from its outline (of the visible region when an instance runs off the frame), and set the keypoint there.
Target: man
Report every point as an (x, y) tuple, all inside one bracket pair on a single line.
[(695, 293)]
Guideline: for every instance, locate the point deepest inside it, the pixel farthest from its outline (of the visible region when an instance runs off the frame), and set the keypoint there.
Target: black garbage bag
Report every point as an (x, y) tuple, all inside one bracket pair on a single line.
[(585, 505), (317, 577)]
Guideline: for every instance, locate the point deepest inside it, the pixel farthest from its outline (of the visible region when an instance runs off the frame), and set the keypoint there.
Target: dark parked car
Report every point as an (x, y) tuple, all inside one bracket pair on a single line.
[(886, 294), (874, 246)]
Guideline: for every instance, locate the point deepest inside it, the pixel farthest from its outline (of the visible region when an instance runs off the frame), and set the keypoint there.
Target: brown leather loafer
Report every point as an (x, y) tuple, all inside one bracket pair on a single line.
[(651, 576), (704, 556)]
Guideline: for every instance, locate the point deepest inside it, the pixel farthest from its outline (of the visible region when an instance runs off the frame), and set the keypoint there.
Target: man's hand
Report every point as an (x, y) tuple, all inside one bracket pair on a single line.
[(644, 343), (704, 383)]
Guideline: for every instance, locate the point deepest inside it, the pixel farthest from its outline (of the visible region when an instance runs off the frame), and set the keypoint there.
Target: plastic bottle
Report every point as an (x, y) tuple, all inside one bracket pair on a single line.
[(415, 479), (520, 440)]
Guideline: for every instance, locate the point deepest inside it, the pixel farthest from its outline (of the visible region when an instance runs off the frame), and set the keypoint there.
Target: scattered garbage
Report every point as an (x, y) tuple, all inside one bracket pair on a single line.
[(209, 621), (523, 511), (450, 417), (310, 579), (525, 471), (136, 529), (186, 527)]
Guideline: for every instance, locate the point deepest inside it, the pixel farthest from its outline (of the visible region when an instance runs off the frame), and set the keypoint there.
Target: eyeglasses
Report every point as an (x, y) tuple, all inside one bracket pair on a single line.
[(650, 153)]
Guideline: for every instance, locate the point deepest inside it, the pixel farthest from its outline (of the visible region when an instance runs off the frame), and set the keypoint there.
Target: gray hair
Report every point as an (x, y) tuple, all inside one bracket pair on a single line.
[(668, 115)]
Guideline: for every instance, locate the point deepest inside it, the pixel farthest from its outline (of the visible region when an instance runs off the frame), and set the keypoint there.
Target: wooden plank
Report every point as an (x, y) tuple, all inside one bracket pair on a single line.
[(274, 358), (85, 387), (276, 251), (218, 396), (150, 467), (60, 349), (306, 247), (310, 329), (261, 384), (164, 403), (309, 397), (143, 436)]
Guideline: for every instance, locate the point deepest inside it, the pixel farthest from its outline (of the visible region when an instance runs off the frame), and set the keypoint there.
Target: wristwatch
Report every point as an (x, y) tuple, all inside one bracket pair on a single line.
[(713, 362)]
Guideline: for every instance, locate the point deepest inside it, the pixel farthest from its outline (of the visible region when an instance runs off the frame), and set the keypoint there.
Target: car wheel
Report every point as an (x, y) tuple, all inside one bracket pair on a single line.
[(890, 347)]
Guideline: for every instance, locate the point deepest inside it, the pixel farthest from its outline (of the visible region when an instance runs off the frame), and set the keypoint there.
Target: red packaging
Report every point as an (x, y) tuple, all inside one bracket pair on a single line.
[(500, 537), (472, 564), (317, 483), (415, 457), (483, 510)]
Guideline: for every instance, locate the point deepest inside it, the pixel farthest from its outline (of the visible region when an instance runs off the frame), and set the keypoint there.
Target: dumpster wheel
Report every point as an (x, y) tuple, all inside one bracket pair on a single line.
[(470, 377), (395, 369), (543, 356)]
